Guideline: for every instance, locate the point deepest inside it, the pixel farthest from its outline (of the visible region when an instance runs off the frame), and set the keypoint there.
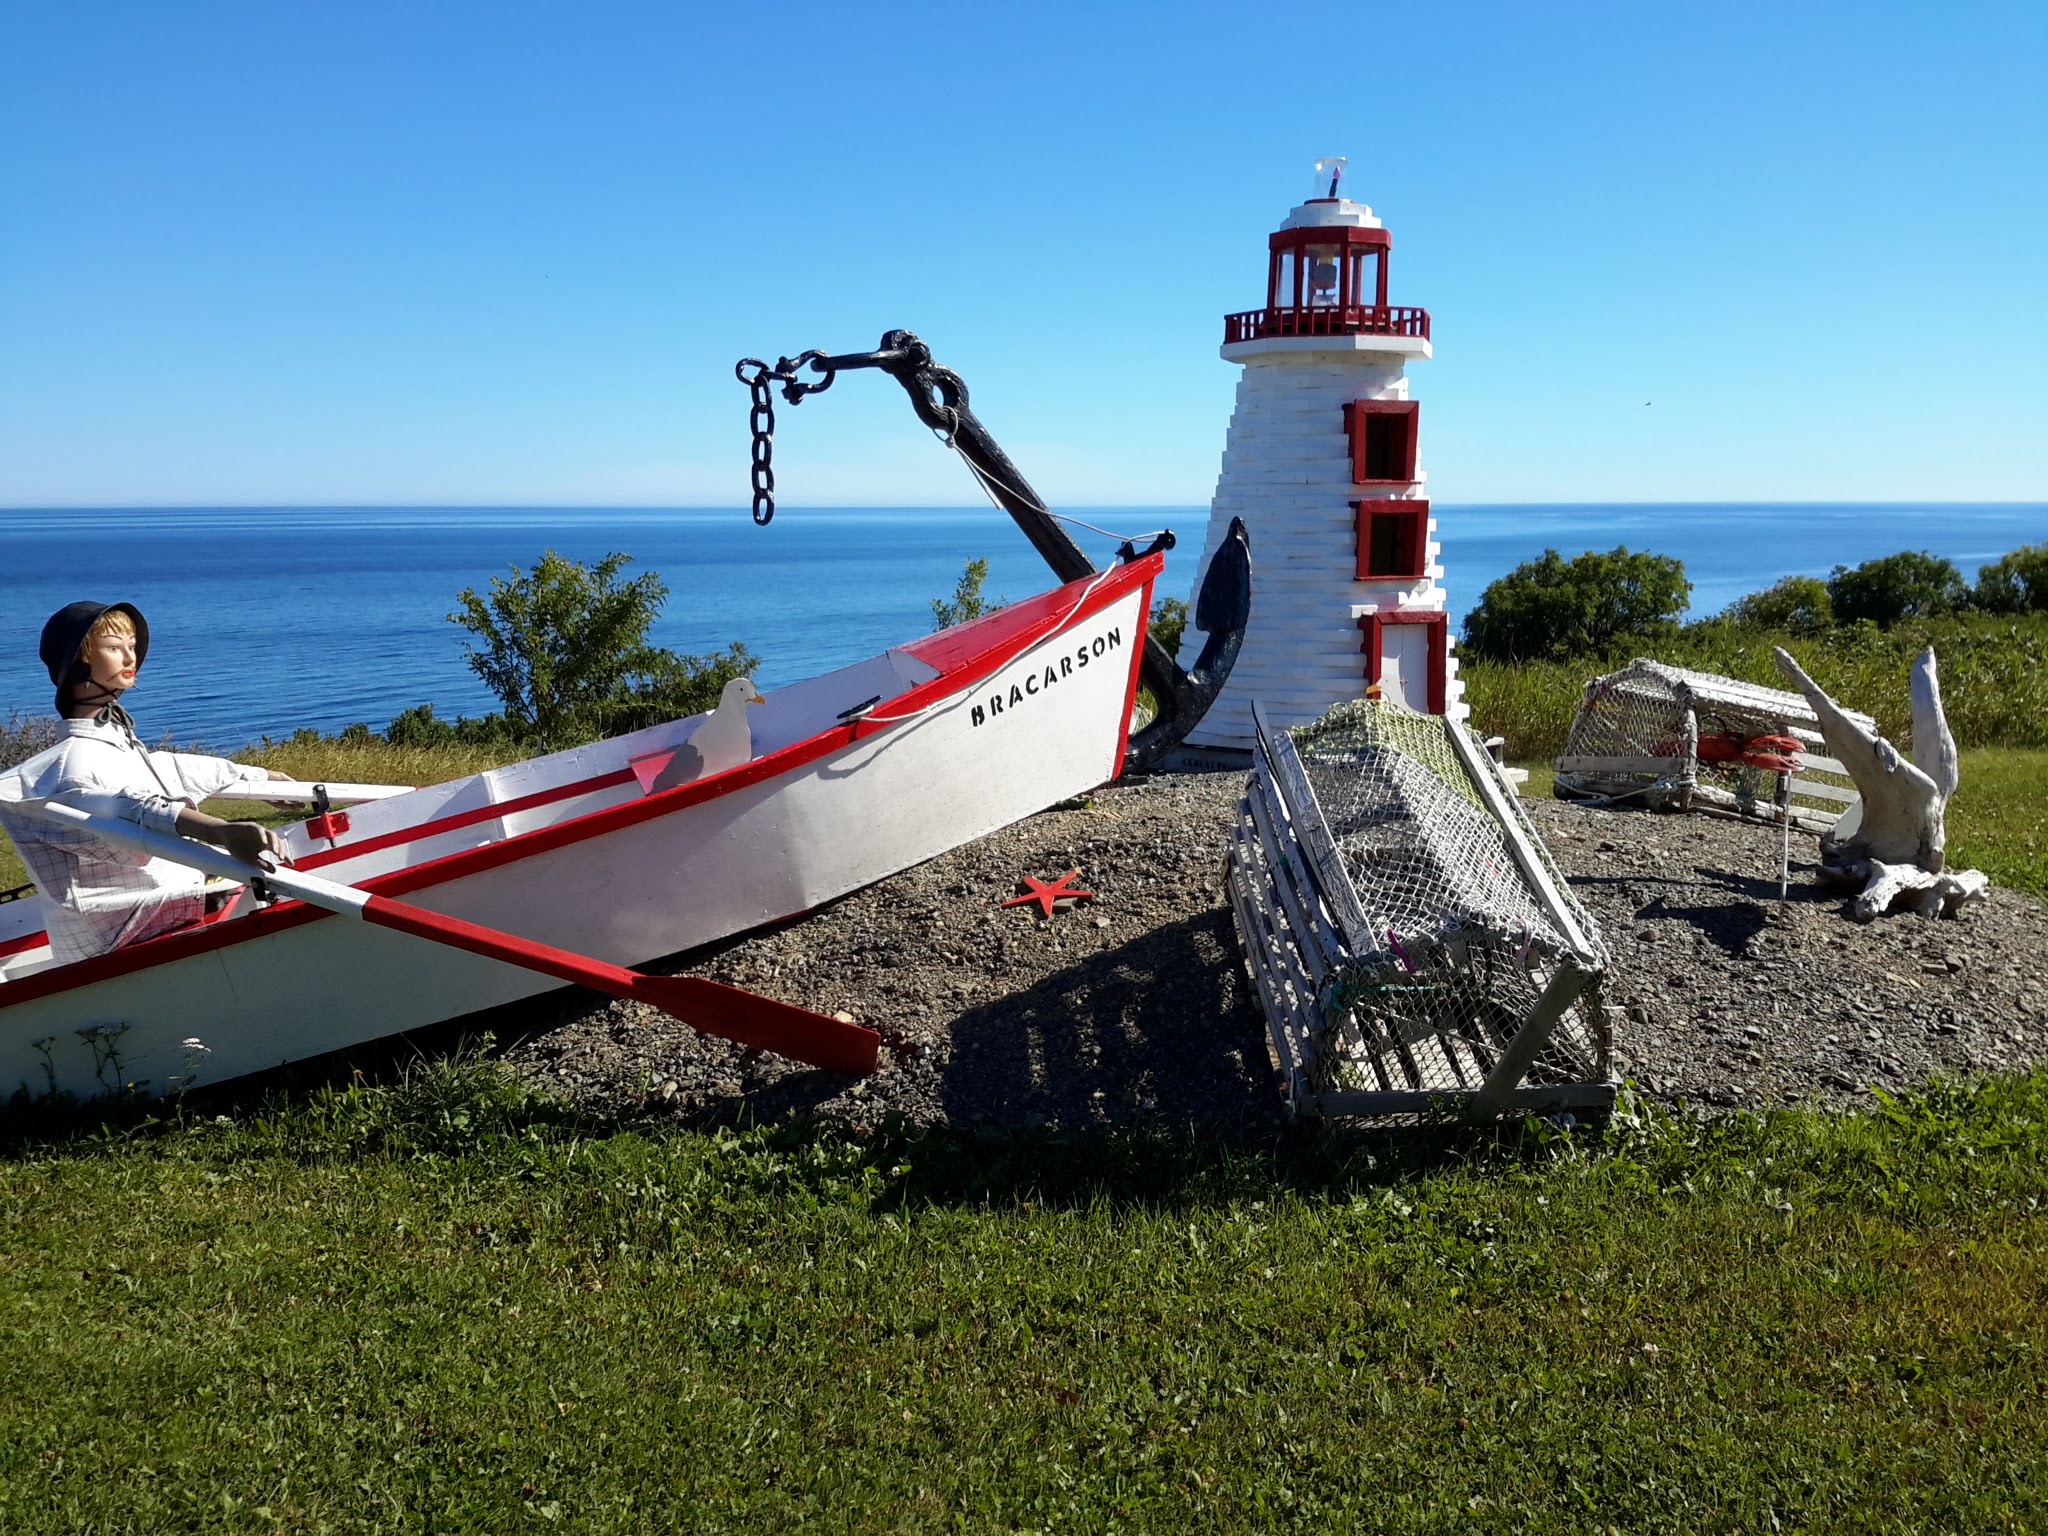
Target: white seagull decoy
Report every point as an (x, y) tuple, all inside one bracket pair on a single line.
[(723, 741)]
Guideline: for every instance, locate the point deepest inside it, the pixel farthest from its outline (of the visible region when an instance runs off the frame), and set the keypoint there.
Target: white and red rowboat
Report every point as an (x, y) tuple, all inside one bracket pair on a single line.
[(856, 775)]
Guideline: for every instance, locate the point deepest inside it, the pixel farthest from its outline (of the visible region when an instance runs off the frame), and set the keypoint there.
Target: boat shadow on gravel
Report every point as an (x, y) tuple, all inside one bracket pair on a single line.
[(1159, 1029)]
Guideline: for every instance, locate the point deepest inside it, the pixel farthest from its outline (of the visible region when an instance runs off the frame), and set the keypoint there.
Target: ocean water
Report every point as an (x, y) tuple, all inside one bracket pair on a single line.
[(265, 620)]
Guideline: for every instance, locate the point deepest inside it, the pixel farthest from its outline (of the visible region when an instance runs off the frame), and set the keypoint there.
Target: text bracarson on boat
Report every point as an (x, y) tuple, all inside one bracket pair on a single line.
[(1042, 675)]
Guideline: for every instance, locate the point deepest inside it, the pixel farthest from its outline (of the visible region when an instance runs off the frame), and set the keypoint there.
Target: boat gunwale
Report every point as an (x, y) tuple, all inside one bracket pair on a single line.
[(1100, 591)]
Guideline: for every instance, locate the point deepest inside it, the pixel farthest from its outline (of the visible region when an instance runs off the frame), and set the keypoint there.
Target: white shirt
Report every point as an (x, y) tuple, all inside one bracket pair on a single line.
[(101, 896)]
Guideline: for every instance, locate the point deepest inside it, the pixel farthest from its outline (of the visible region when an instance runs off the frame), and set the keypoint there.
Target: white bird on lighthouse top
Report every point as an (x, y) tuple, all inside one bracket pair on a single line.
[(723, 741)]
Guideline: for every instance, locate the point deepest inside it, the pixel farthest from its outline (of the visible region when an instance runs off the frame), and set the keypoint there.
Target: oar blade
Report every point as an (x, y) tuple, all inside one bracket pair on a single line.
[(709, 1006), (751, 1019)]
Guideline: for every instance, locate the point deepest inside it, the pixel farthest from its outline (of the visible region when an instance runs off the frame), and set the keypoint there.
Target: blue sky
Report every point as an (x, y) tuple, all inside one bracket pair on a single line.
[(509, 252)]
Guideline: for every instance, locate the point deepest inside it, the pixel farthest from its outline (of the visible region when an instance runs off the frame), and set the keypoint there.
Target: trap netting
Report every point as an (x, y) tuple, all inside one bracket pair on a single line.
[(1414, 946), (1672, 739)]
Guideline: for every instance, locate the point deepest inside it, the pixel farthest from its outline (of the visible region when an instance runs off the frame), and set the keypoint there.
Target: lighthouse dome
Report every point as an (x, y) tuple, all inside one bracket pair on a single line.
[(1329, 212)]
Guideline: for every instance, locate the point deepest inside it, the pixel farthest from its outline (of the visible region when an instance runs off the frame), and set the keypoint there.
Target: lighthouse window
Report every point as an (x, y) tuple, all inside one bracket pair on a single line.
[(1382, 434), (1393, 539)]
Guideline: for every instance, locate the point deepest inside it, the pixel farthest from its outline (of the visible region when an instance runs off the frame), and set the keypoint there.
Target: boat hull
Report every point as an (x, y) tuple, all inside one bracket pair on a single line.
[(992, 733)]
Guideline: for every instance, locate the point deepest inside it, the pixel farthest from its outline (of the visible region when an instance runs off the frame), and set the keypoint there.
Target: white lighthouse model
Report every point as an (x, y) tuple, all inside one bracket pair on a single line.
[(1321, 463)]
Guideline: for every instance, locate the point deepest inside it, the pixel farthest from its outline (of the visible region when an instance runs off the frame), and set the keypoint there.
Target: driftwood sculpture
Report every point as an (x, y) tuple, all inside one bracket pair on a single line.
[(1893, 842)]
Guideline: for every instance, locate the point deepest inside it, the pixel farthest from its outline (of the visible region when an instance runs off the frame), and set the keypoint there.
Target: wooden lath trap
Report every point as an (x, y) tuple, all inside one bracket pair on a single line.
[(1671, 739), (1415, 950)]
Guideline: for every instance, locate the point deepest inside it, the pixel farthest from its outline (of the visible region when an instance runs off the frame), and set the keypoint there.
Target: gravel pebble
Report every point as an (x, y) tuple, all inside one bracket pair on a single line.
[(1135, 1005)]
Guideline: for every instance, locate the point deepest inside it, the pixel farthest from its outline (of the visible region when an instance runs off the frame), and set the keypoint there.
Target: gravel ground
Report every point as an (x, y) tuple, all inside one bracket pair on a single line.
[(1136, 1005)]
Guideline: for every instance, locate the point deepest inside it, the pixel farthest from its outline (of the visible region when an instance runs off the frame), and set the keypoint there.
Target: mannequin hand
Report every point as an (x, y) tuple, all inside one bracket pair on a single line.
[(251, 843)]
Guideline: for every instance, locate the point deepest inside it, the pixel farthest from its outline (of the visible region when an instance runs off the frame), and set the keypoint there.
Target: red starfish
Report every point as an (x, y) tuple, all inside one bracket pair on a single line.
[(1046, 892)]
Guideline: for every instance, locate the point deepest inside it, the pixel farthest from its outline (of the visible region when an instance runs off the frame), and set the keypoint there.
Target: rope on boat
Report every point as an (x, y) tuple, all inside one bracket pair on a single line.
[(924, 709), (989, 484)]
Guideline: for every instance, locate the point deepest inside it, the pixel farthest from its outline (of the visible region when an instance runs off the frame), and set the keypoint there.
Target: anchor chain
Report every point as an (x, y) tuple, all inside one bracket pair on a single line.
[(761, 380), (761, 421)]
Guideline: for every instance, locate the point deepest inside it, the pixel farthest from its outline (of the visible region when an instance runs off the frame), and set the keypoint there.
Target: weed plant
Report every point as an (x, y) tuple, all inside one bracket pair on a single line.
[(447, 1305)]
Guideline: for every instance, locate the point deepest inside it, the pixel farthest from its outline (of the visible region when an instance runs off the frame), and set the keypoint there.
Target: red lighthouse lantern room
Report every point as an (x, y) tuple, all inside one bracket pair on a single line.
[(1326, 274)]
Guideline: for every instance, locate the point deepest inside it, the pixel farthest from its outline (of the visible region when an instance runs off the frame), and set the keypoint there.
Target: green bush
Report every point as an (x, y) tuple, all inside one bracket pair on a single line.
[(1169, 623), (1555, 608), (1908, 585), (419, 726), (1797, 603), (23, 736), (564, 647), (967, 603), (2015, 583)]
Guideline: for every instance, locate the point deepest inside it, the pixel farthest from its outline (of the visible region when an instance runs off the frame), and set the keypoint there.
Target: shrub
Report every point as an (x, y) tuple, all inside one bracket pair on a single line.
[(661, 685), (967, 602), (23, 736), (2015, 583), (1559, 609), (1797, 603), (419, 726), (1908, 585), (565, 649), (1169, 623)]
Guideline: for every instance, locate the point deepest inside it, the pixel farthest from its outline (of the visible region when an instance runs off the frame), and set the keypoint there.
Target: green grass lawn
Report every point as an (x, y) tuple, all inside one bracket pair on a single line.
[(439, 1307), (1998, 820)]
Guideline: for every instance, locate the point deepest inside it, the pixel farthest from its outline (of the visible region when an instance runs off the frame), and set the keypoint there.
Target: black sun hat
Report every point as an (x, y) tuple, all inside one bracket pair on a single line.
[(64, 636)]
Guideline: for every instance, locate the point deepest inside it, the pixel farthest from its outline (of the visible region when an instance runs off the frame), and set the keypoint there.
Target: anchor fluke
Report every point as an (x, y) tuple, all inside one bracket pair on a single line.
[(1222, 609)]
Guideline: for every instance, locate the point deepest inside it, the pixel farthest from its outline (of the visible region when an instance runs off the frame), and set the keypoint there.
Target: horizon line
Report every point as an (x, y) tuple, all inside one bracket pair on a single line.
[(916, 506)]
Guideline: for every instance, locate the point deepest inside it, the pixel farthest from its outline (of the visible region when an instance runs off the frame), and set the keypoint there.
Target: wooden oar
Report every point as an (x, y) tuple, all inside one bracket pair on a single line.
[(707, 1006), (293, 789)]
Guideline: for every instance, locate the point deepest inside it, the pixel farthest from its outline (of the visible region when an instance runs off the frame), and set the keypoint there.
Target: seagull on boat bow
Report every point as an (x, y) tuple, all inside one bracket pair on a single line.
[(723, 741)]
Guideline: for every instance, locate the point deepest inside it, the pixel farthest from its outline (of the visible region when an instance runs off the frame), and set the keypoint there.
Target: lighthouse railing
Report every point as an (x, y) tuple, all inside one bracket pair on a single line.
[(1327, 320)]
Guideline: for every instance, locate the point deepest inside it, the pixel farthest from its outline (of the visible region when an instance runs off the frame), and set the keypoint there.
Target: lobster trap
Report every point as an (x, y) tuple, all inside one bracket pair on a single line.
[(1670, 739), (1416, 952)]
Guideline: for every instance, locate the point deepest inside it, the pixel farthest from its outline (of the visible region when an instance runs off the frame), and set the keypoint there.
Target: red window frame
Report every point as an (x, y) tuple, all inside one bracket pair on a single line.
[(1410, 519), (1439, 645), (1359, 416)]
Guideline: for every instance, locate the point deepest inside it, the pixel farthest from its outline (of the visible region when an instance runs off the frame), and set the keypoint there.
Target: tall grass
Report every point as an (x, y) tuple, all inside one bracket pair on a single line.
[(373, 760), (1994, 677)]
